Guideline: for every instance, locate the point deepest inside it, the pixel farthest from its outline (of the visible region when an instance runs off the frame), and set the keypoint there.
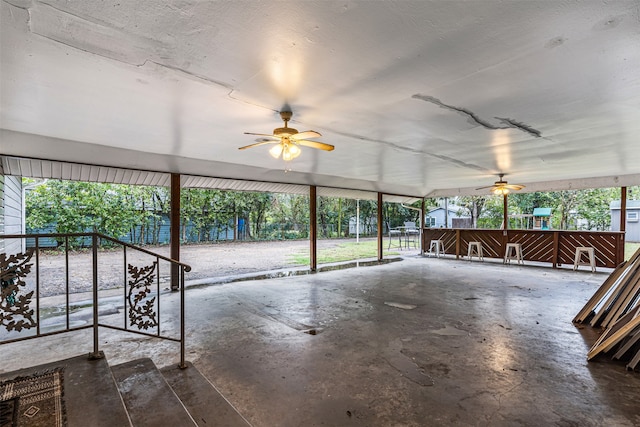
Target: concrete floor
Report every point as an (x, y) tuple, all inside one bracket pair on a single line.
[(485, 345)]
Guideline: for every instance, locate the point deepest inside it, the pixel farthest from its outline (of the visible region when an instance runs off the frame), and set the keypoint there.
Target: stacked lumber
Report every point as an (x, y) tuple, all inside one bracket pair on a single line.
[(615, 307)]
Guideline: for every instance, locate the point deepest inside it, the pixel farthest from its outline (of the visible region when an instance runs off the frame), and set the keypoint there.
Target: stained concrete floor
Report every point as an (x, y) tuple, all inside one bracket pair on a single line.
[(485, 345)]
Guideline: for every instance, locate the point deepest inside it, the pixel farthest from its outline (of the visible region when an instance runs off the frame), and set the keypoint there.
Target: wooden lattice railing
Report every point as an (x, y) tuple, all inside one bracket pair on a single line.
[(556, 247)]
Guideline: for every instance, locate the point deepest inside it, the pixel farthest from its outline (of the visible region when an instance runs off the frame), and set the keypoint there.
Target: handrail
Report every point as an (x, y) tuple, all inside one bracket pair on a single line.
[(141, 293), (100, 235)]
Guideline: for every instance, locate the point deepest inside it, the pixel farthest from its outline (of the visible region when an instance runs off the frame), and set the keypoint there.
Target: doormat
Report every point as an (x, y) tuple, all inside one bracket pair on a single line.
[(33, 401)]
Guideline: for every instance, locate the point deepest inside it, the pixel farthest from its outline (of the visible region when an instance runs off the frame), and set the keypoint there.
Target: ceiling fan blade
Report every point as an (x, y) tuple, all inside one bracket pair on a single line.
[(515, 187), (306, 134), (263, 134), (315, 144), (485, 187), (258, 144)]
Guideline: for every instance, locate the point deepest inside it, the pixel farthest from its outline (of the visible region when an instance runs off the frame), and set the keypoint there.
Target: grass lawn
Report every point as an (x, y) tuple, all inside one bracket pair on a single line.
[(346, 251), (630, 248)]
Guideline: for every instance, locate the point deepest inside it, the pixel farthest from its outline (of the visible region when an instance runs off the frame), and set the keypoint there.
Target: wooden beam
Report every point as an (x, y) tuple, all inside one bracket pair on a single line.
[(505, 213), (623, 223), (174, 233), (380, 228), (313, 228), (623, 209)]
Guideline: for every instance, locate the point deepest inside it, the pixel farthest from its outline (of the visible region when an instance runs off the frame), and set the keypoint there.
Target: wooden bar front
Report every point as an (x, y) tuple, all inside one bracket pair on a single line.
[(556, 247)]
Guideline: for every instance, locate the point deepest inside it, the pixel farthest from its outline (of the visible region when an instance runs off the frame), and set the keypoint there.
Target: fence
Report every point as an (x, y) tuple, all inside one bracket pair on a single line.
[(553, 246)]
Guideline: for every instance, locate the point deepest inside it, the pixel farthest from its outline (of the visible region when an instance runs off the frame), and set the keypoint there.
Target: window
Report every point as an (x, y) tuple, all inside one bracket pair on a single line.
[(632, 216), (430, 222)]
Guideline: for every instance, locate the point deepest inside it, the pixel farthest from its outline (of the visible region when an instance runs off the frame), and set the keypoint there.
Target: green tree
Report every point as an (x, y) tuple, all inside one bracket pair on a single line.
[(77, 207), (474, 205)]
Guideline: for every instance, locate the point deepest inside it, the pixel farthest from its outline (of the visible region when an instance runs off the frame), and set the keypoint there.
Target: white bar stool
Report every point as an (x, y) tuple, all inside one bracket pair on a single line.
[(513, 251), (475, 249), (436, 247), (590, 252)]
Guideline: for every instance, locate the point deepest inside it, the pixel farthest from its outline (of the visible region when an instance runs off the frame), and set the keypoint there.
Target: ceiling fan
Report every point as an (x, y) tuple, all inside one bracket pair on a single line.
[(502, 187), (288, 140)]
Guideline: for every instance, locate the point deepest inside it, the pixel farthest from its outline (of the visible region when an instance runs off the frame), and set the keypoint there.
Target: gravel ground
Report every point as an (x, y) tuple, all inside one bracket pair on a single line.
[(207, 261)]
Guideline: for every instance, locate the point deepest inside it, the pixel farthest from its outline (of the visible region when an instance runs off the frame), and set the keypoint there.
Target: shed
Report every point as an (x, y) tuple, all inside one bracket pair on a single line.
[(435, 218), (633, 219), (541, 218)]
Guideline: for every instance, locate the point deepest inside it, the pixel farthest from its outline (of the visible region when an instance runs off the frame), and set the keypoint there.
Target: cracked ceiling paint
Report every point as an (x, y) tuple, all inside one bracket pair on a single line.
[(473, 118), (547, 92)]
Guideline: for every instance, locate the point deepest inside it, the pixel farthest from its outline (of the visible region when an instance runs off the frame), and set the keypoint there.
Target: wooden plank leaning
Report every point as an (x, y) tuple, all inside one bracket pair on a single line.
[(633, 266), (634, 362), (616, 332), (626, 297), (611, 281), (627, 345)]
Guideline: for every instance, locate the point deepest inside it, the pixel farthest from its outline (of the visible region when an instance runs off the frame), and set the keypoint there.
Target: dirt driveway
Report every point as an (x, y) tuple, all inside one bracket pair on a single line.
[(216, 261)]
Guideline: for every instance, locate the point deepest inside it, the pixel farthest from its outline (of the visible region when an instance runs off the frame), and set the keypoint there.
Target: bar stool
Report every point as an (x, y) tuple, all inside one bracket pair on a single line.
[(411, 234), (590, 252), (513, 251), (436, 246), (393, 233), (475, 249)]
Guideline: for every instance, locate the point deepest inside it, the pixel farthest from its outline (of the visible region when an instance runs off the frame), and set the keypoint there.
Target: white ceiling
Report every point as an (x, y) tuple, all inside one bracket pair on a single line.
[(419, 98)]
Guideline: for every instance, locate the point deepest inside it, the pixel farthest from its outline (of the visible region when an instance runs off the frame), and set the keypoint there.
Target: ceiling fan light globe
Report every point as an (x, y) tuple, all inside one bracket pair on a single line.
[(275, 151), (501, 191), (290, 152), (294, 150)]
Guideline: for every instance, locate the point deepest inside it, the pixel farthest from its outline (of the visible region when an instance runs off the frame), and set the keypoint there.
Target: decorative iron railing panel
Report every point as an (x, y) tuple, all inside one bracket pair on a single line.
[(16, 305), (33, 281), (550, 246)]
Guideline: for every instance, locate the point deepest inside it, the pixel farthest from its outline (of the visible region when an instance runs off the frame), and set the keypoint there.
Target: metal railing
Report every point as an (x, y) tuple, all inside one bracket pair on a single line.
[(33, 279)]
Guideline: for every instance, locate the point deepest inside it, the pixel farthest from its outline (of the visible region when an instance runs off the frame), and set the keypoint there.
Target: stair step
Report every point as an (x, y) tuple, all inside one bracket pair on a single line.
[(91, 397), (148, 397), (203, 401)]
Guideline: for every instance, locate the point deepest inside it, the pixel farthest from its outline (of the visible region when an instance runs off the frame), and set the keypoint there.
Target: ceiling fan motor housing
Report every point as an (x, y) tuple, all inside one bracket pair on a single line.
[(284, 132)]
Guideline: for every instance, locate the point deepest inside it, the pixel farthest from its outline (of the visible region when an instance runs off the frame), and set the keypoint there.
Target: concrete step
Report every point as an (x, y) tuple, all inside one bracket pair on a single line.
[(149, 399), (91, 397), (203, 401)]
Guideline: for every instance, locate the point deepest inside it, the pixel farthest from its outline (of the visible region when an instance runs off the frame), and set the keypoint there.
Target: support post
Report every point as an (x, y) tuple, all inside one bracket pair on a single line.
[(174, 236), (96, 350), (358, 221), (623, 209), (380, 228), (313, 228), (505, 213), (446, 212), (183, 364), (422, 215), (623, 223), (505, 223), (235, 228), (556, 249)]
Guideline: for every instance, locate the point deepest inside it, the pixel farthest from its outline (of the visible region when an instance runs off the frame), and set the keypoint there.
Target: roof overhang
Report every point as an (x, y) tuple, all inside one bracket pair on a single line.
[(50, 169)]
